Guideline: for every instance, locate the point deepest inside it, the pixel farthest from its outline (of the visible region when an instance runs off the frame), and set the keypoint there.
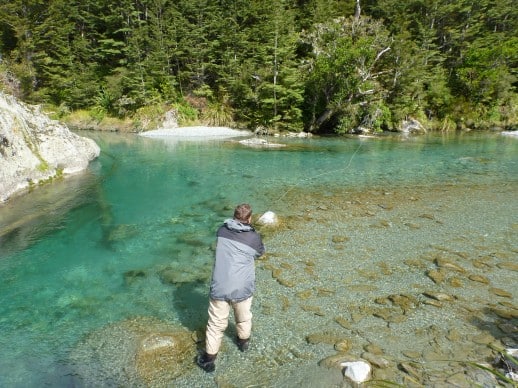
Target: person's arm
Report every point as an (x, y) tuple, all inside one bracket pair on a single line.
[(259, 247)]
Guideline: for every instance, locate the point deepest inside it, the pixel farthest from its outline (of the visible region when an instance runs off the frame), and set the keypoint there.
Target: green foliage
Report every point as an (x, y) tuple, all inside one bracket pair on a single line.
[(345, 78), (148, 117), (286, 65), (186, 113), (217, 114)]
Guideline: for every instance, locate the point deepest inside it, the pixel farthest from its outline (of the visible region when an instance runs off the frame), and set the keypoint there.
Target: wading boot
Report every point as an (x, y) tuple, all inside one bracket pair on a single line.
[(206, 362), (243, 344)]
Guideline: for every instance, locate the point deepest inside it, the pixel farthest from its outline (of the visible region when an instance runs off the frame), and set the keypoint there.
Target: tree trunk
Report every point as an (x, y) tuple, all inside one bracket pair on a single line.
[(357, 10)]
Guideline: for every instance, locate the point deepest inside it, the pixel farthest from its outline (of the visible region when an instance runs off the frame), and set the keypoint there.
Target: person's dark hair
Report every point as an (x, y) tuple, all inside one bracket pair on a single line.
[(243, 212)]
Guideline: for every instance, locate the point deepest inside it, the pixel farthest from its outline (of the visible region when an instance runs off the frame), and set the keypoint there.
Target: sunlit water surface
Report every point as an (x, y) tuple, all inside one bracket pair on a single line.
[(362, 219)]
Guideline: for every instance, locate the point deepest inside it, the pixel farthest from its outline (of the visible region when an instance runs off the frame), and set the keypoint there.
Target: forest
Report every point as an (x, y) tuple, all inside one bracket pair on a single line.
[(322, 66)]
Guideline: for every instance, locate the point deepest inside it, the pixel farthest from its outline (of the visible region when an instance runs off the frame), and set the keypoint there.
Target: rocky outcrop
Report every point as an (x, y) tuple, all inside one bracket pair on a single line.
[(34, 148), (412, 126)]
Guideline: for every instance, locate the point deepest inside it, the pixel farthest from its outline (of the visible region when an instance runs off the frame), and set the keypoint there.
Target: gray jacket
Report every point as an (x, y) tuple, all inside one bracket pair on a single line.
[(233, 274)]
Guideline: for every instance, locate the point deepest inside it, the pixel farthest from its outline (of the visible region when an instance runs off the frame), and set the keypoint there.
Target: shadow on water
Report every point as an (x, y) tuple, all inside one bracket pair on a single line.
[(190, 301), (500, 323), (28, 218)]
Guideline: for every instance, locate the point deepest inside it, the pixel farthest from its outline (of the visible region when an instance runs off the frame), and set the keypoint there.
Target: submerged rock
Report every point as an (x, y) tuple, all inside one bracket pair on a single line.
[(439, 296), (131, 276), (135, 352), (508, 266), (34, 148), (500, 292), (263, 143), (446, 264), (479, 279)]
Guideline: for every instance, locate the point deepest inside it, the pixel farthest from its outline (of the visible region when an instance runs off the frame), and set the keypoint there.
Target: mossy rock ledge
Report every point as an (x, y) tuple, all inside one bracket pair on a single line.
[(140, 351)]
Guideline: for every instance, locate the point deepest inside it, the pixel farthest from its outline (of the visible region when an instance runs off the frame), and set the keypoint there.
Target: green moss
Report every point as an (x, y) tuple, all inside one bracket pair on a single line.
[(43, 166)]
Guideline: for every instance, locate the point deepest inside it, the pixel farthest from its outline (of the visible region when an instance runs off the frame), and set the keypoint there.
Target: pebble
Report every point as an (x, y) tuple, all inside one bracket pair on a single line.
[(438, 296), (443, 263), (479, 279), (376, 360), (500, 292), (374, 349), (335, 361), (436, 275), (508, 265), (411, 369), (343, 346)]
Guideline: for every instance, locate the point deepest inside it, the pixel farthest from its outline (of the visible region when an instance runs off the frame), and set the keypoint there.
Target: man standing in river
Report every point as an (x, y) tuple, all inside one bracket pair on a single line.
[(233, 283)]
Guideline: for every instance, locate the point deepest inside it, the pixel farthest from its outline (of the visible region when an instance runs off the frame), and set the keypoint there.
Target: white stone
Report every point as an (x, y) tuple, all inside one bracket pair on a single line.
[(357, 371), (511, 375), (268, 218)]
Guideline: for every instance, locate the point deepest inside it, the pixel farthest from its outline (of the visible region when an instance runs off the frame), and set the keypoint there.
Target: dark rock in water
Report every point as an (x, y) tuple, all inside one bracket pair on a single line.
[(190, 239), (141, 351), (177, 276), (131, 276)]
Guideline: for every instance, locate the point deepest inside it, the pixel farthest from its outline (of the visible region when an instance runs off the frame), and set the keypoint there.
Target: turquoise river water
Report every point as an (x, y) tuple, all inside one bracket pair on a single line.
[(364, 222)]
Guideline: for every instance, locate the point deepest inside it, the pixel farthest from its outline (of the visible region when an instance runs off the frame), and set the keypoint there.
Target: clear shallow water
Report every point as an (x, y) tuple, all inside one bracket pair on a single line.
[(148, 205)]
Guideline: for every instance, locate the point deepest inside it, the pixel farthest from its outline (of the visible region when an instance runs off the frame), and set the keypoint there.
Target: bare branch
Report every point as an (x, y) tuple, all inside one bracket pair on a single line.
[(381, 53)]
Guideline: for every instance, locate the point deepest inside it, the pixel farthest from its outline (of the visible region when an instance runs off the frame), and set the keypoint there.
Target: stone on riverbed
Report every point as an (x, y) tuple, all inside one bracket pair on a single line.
[(441, 297), (376, 360), (325, 338), (141, 351), (436, 275), (479, 279), (500, 292), (443, 263), (335, 361), (508, 265)]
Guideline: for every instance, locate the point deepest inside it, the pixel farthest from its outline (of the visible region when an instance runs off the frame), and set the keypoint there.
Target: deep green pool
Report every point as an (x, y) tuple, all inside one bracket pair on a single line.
[(67, 249)]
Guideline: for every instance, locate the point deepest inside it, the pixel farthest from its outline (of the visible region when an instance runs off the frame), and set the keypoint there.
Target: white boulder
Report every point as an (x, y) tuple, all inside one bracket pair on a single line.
[(268, 218), (357, 371)]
